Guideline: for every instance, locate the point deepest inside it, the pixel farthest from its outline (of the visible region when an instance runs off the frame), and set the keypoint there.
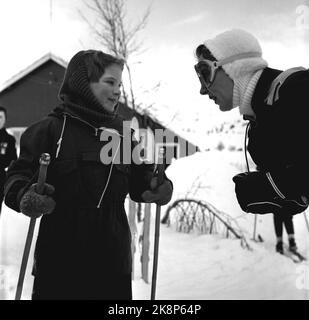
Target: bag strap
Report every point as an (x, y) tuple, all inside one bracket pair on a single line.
[(273, 94)]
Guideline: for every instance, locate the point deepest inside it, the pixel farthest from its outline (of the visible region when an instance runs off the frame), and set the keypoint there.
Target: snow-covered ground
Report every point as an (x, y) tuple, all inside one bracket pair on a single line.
[(193, 266)]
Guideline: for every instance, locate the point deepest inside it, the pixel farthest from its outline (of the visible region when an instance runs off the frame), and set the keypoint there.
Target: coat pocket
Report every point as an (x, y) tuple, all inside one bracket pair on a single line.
[(123, 168), (120, 180), (94, 175), (64, 167), (64, 176)]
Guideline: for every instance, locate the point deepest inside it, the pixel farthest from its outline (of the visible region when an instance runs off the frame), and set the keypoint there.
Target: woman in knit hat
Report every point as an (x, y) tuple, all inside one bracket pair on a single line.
[(233, 73), (83, 250)]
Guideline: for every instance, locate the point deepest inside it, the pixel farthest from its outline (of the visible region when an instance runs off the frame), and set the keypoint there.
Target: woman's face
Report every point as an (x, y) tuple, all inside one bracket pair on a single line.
[(107, 89), (221, 90)]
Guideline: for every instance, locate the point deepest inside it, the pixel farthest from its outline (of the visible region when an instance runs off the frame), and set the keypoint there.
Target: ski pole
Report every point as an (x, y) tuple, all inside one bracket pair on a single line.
[(306, 220), (160, 176), (254, 228), (44, 162)]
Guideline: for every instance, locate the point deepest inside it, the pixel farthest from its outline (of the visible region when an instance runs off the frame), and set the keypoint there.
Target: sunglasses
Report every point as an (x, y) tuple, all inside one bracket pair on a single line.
[(206, 69)]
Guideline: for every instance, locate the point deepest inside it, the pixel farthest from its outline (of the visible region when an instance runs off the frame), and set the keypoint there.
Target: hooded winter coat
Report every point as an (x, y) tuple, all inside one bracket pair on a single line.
[(83, 249), (278, 134), (7, 154)]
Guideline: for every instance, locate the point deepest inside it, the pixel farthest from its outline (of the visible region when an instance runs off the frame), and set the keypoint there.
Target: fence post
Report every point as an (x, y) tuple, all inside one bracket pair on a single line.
[(133, 228), (146, 243)]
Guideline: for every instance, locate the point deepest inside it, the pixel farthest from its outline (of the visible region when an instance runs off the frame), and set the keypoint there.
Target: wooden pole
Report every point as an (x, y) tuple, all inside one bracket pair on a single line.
[(306, 220), (44, 162), (160, 168), (146, 243), (133, 228), (254, 227)]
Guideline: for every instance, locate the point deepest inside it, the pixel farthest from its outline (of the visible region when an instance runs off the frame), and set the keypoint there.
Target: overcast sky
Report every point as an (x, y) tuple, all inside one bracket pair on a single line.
[(175, 28)]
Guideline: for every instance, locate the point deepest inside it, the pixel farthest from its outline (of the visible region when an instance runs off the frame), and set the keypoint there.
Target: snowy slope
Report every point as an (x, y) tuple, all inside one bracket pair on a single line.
[(193, 266), (209, 267), (215, 171)]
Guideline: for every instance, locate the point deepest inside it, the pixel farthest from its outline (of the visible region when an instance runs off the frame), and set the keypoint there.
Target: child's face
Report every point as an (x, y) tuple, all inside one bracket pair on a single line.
[(107, 89)]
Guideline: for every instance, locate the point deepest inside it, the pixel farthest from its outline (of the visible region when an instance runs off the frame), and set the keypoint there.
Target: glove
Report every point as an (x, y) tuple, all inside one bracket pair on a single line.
[(34, 205), (161, 194), (257, 192)]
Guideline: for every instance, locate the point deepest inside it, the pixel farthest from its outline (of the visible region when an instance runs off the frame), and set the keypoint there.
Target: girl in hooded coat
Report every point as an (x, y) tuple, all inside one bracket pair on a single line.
[(83, 249)]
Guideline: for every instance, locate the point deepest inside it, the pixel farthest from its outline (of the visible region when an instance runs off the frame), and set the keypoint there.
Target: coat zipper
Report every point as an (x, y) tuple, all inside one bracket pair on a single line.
[(109, 176), (96, 133)]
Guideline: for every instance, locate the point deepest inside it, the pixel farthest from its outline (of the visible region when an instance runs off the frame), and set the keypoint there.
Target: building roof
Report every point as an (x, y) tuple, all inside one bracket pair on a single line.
[(126, 112), (32, 67)]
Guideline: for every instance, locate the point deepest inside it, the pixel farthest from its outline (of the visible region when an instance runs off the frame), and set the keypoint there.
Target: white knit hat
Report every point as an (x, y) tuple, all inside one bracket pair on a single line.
[(234, 42)]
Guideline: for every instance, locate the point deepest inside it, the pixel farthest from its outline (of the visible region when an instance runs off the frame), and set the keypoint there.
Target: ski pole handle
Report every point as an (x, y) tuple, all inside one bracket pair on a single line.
[(161, 166), (44, 162)]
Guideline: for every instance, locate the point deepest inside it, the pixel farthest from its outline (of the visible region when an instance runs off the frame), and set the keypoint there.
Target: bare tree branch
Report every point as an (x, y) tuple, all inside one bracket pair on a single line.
[(112, 30)]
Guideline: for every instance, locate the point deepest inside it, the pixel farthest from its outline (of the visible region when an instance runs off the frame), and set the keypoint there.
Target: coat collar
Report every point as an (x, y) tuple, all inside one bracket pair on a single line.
[(262, 88)]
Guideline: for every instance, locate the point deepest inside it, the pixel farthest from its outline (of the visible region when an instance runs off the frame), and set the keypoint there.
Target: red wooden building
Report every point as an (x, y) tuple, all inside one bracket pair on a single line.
[(33, 93)]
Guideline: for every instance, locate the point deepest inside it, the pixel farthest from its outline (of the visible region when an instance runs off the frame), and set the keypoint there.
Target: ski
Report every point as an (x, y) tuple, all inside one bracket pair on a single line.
[(298, 255), (294, 255)]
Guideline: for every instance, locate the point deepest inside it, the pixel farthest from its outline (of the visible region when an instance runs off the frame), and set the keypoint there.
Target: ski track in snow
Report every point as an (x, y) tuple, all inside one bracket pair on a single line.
[(191, 266)]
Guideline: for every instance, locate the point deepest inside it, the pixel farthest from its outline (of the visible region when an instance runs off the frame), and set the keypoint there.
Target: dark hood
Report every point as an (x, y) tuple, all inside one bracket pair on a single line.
[(76, 95)]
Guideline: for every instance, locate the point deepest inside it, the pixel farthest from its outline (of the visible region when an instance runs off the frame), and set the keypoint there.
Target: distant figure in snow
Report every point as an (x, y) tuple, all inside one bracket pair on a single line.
[(287, 222), (233, 74), (83, 250), (7, 150)]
